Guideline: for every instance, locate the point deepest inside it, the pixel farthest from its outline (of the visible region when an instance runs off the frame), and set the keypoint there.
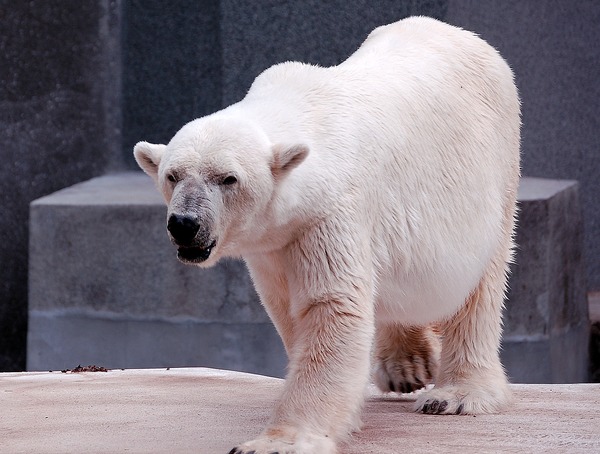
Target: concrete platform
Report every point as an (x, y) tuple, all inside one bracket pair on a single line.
[(209, 411)]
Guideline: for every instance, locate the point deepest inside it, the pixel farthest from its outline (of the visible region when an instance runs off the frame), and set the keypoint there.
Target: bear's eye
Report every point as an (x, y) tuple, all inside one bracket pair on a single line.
[(229, 180), (172, 178)]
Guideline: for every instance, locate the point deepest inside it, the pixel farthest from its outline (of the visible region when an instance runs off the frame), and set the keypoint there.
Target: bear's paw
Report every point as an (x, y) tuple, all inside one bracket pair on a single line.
[(463, 399), (277, 441), (407, 358)]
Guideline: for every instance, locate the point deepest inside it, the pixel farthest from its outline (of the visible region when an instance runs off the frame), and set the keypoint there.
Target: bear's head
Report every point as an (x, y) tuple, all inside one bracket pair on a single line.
[(219, 176)]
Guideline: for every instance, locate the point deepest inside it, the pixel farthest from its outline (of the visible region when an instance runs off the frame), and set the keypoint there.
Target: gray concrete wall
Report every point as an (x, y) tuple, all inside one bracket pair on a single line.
[(106, 288), (60, 122), (256, 35), (172, 67)]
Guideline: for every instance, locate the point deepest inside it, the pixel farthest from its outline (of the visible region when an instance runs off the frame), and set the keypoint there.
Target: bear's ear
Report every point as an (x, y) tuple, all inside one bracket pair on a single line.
[(287, 157), (148, 157)]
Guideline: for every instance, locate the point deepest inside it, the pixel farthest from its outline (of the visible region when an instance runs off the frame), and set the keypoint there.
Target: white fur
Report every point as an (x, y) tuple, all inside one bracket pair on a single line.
[(380, 190)]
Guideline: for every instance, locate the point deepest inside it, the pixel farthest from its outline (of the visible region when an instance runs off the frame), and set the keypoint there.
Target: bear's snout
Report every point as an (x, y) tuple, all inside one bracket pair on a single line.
[(183, 228)]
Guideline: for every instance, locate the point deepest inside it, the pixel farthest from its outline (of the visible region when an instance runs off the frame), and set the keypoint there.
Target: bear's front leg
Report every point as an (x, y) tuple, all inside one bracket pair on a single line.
[(332, 311), (325, 385)]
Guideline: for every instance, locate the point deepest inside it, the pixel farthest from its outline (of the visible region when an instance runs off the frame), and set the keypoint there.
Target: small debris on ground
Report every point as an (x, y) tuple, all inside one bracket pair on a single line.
[(81, 368)]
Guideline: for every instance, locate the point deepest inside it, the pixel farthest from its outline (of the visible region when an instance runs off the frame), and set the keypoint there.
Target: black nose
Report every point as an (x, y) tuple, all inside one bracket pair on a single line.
[(183, 228)]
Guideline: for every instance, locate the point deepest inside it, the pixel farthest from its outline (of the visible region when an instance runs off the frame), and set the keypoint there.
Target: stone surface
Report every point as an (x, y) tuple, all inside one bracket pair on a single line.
[(103, 272), (208, 411), (546, 318)]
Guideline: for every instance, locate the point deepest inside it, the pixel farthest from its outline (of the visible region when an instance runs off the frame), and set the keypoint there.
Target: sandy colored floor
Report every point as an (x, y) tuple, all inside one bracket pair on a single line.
[(209, 411)]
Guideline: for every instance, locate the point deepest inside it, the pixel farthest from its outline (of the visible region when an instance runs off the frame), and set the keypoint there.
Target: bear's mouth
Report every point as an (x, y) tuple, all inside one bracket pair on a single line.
[(195, 254)]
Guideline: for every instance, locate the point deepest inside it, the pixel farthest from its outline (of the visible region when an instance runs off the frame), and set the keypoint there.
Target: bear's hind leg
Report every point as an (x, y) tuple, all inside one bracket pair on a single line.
[(406, 357), (471, 379)]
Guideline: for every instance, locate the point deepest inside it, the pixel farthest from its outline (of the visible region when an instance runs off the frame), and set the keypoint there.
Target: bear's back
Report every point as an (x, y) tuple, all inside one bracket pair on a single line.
[(417, 136)]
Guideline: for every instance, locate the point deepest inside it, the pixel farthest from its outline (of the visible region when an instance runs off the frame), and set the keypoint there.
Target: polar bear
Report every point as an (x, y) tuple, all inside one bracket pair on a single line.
[(368, 200)]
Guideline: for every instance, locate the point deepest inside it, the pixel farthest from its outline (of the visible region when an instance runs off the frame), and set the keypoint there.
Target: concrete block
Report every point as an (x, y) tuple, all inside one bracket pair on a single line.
[(106, 288), (546, 317)]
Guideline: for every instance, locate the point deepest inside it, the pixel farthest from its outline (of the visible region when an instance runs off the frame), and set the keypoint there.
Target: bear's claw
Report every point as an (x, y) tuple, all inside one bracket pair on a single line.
[(434, 407), (239, 451)]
